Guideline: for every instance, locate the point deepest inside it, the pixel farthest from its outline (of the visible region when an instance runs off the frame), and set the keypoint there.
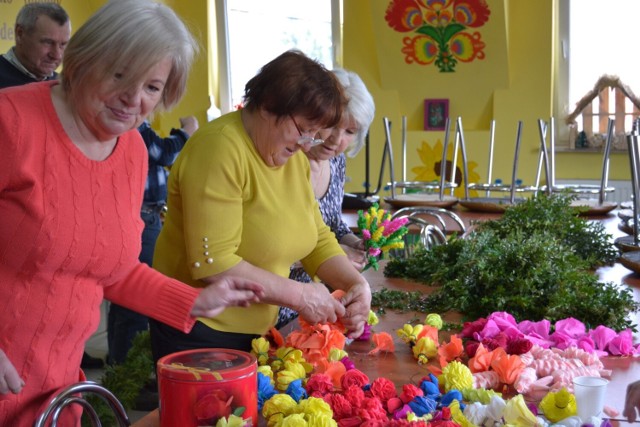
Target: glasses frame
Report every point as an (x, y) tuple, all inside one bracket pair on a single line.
[(306, 139)]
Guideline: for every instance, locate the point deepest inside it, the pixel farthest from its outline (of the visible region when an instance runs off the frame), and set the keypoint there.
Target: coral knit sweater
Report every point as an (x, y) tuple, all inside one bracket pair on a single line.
[(70, 233)]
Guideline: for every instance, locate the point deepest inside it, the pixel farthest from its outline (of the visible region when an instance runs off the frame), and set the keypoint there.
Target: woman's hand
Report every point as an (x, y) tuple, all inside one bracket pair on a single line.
[(632, 402), (10, 381), (357, 302), (316, 305), (355, 255), (226, 292)]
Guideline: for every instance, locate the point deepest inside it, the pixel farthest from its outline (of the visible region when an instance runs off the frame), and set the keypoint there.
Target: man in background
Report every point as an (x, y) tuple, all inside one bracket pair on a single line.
[(42, 31)]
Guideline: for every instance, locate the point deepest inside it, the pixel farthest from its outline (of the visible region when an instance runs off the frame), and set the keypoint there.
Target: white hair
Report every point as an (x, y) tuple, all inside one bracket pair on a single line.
[(360, 106)]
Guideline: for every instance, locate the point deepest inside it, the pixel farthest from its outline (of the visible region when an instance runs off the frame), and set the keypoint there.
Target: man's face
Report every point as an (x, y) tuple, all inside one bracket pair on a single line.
[(40, 50)]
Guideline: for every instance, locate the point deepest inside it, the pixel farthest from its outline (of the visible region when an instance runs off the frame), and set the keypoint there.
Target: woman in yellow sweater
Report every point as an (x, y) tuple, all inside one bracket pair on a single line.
[(240, 203)]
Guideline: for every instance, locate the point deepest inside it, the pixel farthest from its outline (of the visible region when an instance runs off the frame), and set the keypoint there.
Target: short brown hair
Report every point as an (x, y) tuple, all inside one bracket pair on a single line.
[(294, 84)]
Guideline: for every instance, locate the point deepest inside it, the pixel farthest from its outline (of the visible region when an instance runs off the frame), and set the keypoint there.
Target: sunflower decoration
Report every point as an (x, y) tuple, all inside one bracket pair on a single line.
[(429, 171)]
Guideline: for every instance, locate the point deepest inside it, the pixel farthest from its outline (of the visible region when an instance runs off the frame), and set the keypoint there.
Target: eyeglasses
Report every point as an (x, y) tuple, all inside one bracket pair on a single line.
[(306, 139)]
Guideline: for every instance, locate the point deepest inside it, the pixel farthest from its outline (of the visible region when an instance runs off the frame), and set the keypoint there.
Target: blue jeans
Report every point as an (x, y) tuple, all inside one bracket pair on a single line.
[(124, 324)]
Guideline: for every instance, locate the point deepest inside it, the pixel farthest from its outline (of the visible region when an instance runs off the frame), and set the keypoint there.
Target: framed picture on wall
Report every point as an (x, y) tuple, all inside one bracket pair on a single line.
[(436, 112)]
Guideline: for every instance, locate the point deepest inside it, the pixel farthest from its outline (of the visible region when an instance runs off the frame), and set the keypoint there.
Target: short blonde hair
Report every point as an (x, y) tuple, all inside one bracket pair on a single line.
[(130, 36)]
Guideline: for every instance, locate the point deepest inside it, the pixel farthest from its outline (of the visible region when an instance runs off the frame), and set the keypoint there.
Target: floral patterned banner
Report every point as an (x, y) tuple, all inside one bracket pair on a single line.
[(441, 27)]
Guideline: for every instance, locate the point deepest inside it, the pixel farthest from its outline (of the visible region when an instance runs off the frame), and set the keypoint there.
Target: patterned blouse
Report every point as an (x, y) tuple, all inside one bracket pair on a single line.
[(331, 210)]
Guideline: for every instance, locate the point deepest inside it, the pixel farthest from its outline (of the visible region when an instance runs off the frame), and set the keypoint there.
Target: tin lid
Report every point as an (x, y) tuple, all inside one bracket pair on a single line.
[(207, 364)]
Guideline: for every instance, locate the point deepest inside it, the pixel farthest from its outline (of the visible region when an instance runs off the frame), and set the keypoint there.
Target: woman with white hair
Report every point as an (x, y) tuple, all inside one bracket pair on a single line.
[(328, 172)]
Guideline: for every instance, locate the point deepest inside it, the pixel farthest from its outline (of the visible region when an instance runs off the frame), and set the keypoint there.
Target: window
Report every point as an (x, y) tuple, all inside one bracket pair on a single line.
[(253, 32), (596, 38)]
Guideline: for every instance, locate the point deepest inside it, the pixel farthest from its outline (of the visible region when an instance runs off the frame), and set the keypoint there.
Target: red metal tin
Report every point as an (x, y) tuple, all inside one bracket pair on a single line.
[(198, 387)]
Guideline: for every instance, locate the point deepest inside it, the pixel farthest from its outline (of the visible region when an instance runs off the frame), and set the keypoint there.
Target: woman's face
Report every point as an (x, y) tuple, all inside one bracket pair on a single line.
[(109, 111), (336, 140), (282, 143)]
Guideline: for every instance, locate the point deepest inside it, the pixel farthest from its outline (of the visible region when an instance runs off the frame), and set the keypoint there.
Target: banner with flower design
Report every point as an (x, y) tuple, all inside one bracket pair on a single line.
[(441, 28)]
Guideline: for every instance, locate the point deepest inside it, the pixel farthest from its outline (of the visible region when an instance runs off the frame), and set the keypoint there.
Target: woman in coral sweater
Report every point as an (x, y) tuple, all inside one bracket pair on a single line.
[(71, 183)]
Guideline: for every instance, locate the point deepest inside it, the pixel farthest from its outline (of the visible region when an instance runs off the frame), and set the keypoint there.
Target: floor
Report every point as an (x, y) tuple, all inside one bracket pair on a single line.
[(97, 347)]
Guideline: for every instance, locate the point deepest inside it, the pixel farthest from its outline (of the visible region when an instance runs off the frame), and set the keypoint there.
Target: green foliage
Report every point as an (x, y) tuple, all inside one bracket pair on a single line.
[(126, 380), (534, 262)]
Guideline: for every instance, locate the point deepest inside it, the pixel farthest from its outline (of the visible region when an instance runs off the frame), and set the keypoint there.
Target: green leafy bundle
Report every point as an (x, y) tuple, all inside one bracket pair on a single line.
[(534, 262), (126, 380)]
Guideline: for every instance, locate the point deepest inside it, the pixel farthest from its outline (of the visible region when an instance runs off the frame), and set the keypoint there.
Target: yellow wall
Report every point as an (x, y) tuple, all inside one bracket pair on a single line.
[(513, 82)]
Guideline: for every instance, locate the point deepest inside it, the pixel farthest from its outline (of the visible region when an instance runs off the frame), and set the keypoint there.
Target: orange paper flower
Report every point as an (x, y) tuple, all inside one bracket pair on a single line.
[(451, 350), (383, 342), (508, 367)]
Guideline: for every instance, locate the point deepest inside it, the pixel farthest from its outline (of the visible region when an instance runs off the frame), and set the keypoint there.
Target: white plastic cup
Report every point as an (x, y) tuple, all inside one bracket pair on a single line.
[(589, 392)]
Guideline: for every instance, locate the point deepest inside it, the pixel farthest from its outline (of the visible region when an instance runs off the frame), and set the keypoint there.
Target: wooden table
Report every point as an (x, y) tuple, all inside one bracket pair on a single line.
[(402, 368)]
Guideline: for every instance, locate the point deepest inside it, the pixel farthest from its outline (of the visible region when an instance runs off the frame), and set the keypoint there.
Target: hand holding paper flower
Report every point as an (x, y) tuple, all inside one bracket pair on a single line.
[(380, 233)]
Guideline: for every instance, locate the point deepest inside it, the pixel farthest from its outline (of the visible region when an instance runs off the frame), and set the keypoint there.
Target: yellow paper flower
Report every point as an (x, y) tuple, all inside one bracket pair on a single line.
[(336, 355), (457, 415), (481, 395), (233, 421), (457, 376), (558, 405), (314, 405), (434, 319), (424, 349), (293, 420), (411, 417), (267, 371), (517, 413), (260, 349), (373, 318), (320, 420), (280, 403), (287, 354), (292, 372), (409, 333)]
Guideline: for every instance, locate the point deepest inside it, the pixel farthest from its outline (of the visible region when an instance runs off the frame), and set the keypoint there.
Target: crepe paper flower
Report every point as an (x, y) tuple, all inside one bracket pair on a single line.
[(232, 421), (449, 397), (335, 371), (383, 389), (409, 391), (457, 414), (480, 395), (486, 379), (430, 332), (354, 377), (292, 372), (260, 349), (508, 367), (319, 383), (340, 406), (495, 409), (383, 343), (423, 405), (266, 371), (380, 233), (373, 318), (518, 413), (266, 390), (366, 333), (622, 344), (559, 405), (424, 349), (570, 326), (316, 341), (519, 346), (415, 420), (372, 410), (409, 333), (278, 404), (348, 363), (451, 350), (430, 386), (355, 395), (296, 390), (433, 319), (337, 354), (476, 413), (456, 376)]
